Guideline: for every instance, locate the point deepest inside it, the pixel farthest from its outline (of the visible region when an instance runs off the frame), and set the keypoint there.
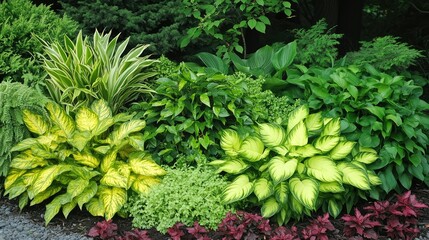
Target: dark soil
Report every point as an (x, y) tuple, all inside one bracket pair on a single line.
[(80, 221)]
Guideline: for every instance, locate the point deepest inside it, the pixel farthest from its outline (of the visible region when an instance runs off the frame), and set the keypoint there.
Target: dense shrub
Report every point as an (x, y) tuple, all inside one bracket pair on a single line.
[(185, 195), (21, 24), (15, 97)]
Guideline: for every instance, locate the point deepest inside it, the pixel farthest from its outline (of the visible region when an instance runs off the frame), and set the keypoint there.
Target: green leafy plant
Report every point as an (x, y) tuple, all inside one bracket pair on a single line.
[(15, 97), (227, 20), (21, 22), (184, 195), (92, 161), (384, 53), (81, 72), (381, 111), (189, 110), (294, 170)]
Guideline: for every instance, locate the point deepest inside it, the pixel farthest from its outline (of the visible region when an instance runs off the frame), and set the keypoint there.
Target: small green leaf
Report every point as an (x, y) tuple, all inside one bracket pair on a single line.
[(204, 98), (251, 23), (260, 27), (270, 207)]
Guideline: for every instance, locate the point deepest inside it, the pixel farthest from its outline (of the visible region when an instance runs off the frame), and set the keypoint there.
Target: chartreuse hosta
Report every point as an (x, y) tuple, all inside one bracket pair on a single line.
[(92, 160), (293, 170)]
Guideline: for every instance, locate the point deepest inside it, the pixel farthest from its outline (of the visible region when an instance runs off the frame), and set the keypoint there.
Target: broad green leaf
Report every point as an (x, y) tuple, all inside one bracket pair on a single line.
[(296, 116), (314, 122), (102, 126), (68, 207), (331, 187), (252, 149), (270, 207), (281, 192), (86, 119), (12, 176), (47, 175), (61, 119), (87, 194), (377, 111), (304, 151), (373, 178), (102, 149), (388, 179), (24, 145), (108, 161), (323, 169), (26, 160), (354, 175), (113, 199), (23, 200), (212, 62), (342, 150), (30, 177), (334, 208), (146, 166), (16, 189), (296, 206), (102, 110), (332, 128), (34, 122), (95, 207), (49, 192), (230, 142), (142, 184), (284, 56), (260, 27), (282, 168), (305, 191), (251, 23), (52, 209), (86, 159), (238, 189), (114, 178), (365, 157), (77, 186), (125, 129), (204, 98), (80, 139), (297, 136), (326, 143), (272, 135), (263, 188), (233, 166)]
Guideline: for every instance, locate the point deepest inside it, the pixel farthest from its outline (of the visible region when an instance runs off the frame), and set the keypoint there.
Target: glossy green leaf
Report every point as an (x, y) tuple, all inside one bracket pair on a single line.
[(323, 169), (282, 168), (326, 143), (238, 189), (270, 207), (272, 135), (305, 191), (230, 142), (284, 56), (342, 150), (263, 188)]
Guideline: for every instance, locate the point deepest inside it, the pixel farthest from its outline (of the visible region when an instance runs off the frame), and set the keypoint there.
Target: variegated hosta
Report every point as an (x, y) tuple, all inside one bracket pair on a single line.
[(295, 169), (92, 161)]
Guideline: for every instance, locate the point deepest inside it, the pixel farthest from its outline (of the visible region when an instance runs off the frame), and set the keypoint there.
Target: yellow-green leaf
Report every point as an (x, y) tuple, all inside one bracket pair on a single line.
[(26, 160), (146, 166), (108, 161), (326, 143), (102, 126), (252, 149), (49, 192), (304, 151), (86, 119), (113, 200), (332, 128), (341, 150), (95, 207), (334, 208), (68, 207), (296, 206), (137, 141), (281, 193), (77, 186), (238, 189), (296, 116), (373, 178), (272, 135), (305, 191), (263, 188), (354, 175), (282, 168), (142, 184), (54, 206), (126, 129), (34, 122), (365, 157), (297, 135), (102, 110), (314, 122), (12, 176), (86, 159), (24, 144), (61, 119), (114, 178), (331, 187), (233, 166), (323, 169), (47, 175), (230, 142), (87, 194), (270, 207), (80, 139)]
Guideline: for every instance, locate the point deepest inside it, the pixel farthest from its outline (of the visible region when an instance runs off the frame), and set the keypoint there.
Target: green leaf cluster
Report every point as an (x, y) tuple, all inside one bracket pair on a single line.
[(185, 195), (21, 21), (381, 111), (189, 110), (293, 170), (83, 71), (15, 97), (384, 53), (92, 160)]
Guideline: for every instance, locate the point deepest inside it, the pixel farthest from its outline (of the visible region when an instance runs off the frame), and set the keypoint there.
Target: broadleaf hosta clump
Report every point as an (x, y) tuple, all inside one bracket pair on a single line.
[(293, 170), (92, 160)]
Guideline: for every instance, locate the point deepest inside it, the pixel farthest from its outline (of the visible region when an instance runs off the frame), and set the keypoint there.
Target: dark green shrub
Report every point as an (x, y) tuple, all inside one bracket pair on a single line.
[(184, 196), (381, 111), (15, 97), (21, 22)]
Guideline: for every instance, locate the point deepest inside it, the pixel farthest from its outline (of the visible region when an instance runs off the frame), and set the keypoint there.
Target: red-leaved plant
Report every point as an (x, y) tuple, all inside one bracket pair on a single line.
[(318, 228), (360, 225), (104, 230), (176, 231)]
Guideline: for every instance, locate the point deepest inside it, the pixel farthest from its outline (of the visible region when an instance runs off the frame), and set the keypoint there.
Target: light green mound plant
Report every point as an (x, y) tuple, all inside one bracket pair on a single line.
[(14, 98), (93, 160), (185, 195), (293, 170), (81, 72)]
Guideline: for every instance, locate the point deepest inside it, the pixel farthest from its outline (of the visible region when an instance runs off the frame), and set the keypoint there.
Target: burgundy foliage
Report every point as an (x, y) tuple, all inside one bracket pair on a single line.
[(104, 230)]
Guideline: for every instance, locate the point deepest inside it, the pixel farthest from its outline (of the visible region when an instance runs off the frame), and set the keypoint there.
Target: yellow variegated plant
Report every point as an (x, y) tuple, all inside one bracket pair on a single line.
[(92, 160), (295, 169)]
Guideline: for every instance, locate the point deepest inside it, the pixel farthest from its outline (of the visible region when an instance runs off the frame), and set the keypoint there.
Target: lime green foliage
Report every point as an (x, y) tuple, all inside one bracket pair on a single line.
[(384, 53), (226, 20), (190, 109), (184, 195), (380, 111), (21, 21), (83, 71), (92, 160), (164, 67), (159, 23), (317, 45), (293, 170), (15, 97)]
